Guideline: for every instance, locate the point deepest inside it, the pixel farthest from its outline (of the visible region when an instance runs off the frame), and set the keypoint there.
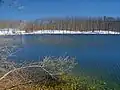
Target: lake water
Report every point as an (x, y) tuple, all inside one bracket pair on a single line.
[(98, 55)]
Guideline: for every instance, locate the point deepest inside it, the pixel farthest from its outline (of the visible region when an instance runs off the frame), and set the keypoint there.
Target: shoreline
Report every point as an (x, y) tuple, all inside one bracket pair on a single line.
[(18, 32)]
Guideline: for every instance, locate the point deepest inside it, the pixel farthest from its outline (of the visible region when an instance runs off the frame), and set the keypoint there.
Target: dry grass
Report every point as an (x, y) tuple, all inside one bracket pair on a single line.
[(30, 77), (70, 83)]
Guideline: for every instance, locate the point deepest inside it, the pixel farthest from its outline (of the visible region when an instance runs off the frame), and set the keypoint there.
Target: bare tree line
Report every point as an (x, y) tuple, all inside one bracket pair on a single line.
[(76, 24), (68, 23)]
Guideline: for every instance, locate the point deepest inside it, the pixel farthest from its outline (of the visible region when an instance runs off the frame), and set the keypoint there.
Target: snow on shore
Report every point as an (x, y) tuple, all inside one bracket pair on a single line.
[(11, 31), (18, 32), (73, 32)]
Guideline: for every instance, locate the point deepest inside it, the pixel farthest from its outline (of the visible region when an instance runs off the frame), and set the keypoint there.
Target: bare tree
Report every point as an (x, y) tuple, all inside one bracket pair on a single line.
[(16, 74)]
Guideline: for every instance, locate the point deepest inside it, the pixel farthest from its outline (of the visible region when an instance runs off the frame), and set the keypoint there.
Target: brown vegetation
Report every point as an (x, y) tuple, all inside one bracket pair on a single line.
[(69, 23), (25, 76), (76, 24)]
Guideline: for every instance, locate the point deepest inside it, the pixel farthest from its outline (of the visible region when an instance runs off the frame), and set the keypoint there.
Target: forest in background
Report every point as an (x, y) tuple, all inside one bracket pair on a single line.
[(68, 23)]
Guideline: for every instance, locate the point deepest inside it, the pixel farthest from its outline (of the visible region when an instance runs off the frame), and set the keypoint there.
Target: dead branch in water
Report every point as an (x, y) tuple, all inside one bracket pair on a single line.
[(41, 71)]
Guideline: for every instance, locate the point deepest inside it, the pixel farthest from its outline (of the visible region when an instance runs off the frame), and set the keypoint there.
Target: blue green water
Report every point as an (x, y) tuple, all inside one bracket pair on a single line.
[(98, 55)]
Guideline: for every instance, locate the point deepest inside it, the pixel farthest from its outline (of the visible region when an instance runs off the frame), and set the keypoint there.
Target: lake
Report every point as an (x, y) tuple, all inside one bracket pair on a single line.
[(98, 55)]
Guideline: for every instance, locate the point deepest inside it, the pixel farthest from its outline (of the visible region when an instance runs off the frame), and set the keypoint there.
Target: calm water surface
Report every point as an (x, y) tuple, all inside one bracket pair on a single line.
[(98, 55)]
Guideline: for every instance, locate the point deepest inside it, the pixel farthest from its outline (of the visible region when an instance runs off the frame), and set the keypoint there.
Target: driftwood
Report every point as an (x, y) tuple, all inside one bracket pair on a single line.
[(26, 75)]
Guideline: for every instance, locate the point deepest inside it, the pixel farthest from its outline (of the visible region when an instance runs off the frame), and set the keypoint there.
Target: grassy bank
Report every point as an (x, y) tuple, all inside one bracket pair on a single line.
[(54, 73), (70, 83)]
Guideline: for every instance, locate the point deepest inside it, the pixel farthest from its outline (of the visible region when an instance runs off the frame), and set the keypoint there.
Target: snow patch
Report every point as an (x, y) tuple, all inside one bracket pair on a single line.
[(11, 31)]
